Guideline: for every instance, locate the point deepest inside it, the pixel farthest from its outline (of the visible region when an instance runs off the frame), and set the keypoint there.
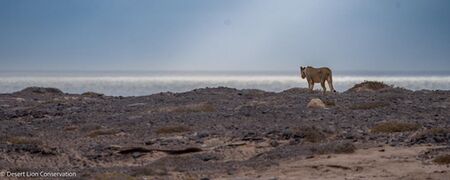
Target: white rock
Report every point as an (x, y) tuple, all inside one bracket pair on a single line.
[(20, 99), (316, 103), (136, 104)]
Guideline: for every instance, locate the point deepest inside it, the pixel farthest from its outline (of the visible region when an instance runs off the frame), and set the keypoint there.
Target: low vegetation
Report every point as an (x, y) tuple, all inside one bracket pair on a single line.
[(199, 107), (23, 140), (102, 132), (442, 159), (437, 131), (313, 135), (433, 132), (309, 134), (438, 135), (172, 129), (392, 127)]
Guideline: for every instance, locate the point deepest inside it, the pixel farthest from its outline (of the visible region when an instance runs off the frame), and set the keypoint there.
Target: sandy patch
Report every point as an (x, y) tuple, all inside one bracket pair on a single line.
[(373, 163)]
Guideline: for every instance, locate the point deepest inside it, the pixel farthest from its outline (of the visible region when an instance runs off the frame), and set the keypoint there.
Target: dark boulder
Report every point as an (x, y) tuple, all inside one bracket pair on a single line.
[(40, 90)]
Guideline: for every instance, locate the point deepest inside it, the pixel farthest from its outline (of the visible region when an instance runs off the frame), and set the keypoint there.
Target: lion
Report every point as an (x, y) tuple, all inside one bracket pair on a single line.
[(317, 75)]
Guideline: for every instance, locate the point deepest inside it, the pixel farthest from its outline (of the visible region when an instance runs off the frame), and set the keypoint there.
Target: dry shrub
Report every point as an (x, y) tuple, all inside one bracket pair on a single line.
[(113, 176), (369, 105), (24, 140), (199, 107), (438, 135), (92, 94), (172, 129), (102, 132), (89, 127), (334, 147), (309, 134), (313, 135), (392, 127), (442, 159), (434, 132), (437, 131)]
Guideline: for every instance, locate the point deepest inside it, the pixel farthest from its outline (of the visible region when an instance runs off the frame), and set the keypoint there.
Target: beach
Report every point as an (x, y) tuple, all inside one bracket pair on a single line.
[(225, 133)]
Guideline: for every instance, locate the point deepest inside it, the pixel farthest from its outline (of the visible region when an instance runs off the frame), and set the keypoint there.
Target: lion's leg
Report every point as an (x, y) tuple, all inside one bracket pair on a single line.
[(323, 86), (311, 88), (330, 84), (322, 83)]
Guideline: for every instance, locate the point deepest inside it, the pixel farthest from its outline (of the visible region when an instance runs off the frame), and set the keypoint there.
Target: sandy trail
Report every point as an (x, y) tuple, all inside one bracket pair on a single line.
[(372, 163)]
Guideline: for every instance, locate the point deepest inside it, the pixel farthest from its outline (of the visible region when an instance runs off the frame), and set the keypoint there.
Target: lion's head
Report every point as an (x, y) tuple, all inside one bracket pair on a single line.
[(302, 72)]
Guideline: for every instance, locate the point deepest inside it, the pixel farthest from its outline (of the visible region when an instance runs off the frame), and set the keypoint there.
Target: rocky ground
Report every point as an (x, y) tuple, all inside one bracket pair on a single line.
[(224, 133)]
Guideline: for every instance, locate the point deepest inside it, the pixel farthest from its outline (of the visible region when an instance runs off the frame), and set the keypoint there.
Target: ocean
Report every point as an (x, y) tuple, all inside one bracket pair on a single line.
[(122, 83)]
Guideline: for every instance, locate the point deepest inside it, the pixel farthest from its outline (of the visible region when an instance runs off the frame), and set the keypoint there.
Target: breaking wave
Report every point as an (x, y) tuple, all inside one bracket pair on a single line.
[(134, 85)]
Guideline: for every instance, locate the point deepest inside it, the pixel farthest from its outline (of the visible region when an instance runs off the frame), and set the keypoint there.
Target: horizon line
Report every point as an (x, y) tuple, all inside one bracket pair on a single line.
[(178, 70)]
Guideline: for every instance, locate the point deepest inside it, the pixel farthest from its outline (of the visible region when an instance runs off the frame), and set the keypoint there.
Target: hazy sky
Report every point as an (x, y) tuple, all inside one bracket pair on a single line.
[(224, 34)]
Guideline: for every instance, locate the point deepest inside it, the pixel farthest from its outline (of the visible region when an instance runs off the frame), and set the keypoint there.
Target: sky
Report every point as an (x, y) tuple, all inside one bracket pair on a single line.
[(224, 35)]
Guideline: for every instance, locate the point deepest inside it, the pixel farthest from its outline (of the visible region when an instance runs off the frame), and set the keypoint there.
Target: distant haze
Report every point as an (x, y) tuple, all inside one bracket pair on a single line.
[(224, 35)]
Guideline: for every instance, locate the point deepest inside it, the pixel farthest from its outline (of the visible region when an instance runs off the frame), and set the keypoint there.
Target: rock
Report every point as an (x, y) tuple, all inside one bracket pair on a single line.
[(316, 103), (236, 144), (68, 98), (208, 157), (20, 99), (274, 143), (136, 104), (40, 90), (134, 150), (296, 91), (369, 86), (30, 148), (136, 154), (92, 94), (200, 135), (443, 105), (287, 134), (114, 147), (150, 142), (134, 117), (251, 136)]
